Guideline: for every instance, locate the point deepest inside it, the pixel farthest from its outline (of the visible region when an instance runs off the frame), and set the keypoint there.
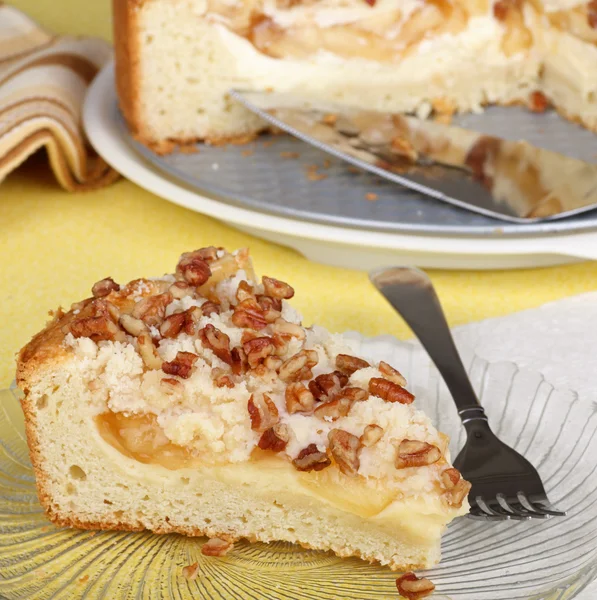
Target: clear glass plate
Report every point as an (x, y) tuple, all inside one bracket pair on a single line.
[(536, 560)]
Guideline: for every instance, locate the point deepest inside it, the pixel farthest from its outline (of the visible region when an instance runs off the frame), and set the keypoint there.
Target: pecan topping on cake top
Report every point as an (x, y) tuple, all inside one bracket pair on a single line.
[(237, 372)]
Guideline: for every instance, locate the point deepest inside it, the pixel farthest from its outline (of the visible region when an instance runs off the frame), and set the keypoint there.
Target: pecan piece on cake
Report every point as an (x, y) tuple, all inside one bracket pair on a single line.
[(311, 459), (181, 366), (344, 448), (389, 391), (104, 287), (415, 453)]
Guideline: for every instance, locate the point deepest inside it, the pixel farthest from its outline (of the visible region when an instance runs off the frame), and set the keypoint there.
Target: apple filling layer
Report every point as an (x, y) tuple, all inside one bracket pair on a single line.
[(416, 519), (384, 32)]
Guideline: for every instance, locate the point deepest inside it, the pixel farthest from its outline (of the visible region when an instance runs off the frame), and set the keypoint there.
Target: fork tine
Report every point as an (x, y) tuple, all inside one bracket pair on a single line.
[(522, 510), (529, 508), (550, 511), (515, 512), (538, 507), (478, 514), (491, 511)]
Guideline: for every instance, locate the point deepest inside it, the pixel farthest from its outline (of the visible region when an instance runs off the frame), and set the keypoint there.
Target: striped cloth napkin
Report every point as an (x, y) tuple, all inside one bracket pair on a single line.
[(43, 80)]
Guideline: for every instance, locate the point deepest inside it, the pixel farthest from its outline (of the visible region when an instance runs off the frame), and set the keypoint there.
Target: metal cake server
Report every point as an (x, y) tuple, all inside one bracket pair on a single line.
[(511, 181), (505, 485)]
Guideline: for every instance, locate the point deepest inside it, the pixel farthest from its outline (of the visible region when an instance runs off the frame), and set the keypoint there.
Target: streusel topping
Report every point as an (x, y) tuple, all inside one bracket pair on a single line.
[(223, 365)]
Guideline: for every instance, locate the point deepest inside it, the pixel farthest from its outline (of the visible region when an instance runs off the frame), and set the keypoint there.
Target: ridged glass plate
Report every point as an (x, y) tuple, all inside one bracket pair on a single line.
[(536, 560)]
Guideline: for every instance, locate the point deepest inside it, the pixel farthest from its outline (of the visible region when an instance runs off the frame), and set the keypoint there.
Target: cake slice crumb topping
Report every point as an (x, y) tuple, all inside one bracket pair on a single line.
[(225, 369)]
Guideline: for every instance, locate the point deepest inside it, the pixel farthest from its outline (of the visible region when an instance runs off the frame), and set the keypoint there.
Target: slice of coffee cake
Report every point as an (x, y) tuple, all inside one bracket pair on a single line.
[(198, 403)]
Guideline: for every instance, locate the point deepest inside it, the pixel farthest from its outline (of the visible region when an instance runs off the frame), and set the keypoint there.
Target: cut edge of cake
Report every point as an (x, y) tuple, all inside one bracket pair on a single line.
[(175, 64)]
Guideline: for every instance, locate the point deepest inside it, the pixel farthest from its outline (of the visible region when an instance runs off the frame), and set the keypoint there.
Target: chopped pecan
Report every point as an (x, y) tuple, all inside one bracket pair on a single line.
[(191, 572), (349, 364), (592, 14), (284, 328), (210, 308), (257, 350), (149, 353), (104, 287), (133, 326), (281, 343), (311, 459), (268, 303), (180, 322), (276, 288), (181, 366), (298, 367), (275, 438), (354, 394), (333, 410), (538, 102), (391, 374), (96, 328), (272, 362), (414, 453), (172, 325), (217, 341), (181, 289), (344, 447), (244, 291), (389, 391), (501, 9), (248, 335), (193, 268), (298, 398), (192, 317), (271, 315), (412, 587), (249, 314), (99, 325), (216, 547), (239, 360), (457, 489), (327, 385), (97, 307), (263, 412), (209, 254), (170, 385), (221, 378), (152, 309), (371, 435)]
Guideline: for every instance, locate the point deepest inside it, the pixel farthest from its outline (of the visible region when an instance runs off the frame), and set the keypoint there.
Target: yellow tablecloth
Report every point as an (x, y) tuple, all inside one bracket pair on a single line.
[(55, 245)]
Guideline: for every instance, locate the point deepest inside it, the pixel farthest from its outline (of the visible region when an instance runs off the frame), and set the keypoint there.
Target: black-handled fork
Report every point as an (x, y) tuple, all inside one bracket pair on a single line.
[(505, 485)]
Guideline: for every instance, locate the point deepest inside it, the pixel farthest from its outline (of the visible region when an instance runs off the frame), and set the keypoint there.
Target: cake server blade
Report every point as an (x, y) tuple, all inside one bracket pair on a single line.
[(507, 180)]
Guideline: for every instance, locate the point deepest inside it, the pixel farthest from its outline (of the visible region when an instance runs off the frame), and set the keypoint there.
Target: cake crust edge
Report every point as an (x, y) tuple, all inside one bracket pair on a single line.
[(127, 61)]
